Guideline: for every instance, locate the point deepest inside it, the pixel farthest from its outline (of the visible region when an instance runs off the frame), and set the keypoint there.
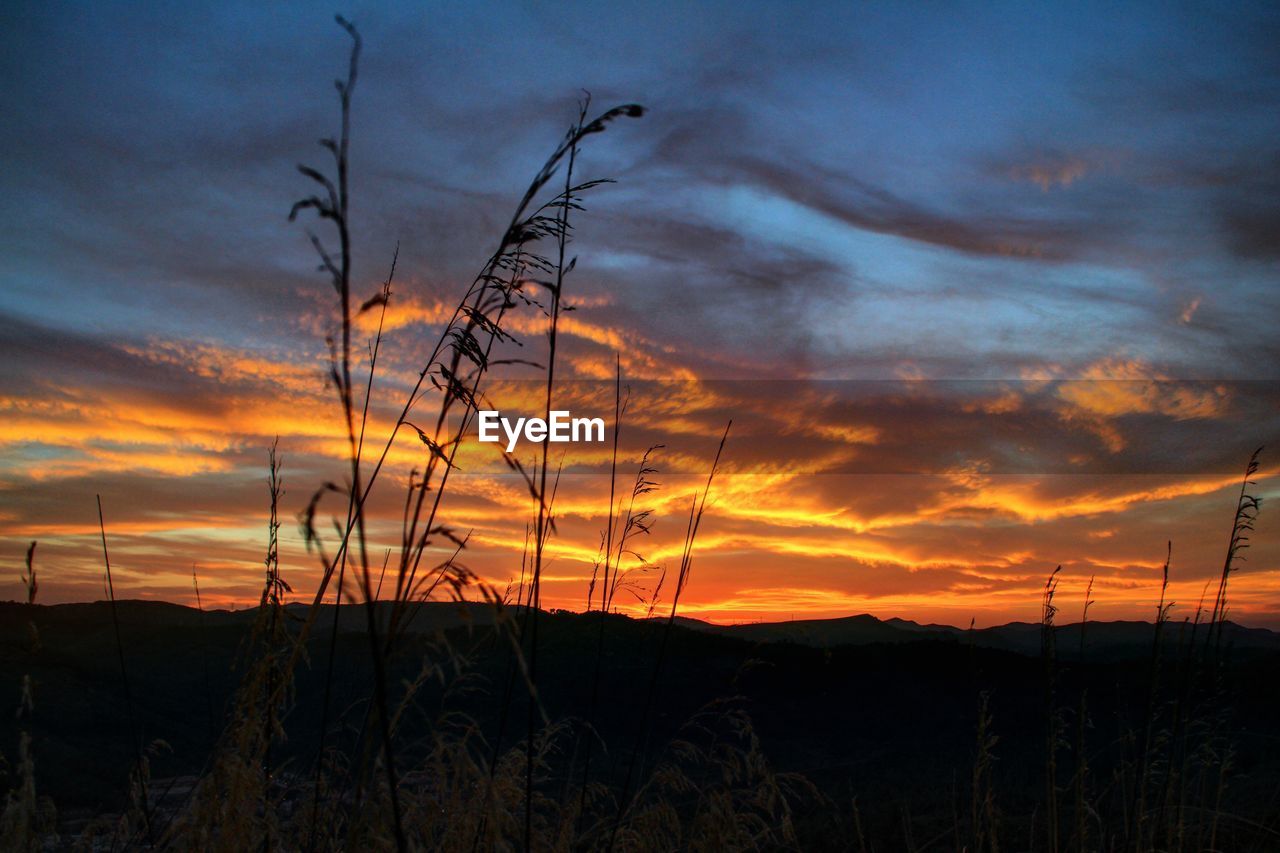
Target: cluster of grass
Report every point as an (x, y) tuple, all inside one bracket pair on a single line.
[(1160, 780), (534, 782)]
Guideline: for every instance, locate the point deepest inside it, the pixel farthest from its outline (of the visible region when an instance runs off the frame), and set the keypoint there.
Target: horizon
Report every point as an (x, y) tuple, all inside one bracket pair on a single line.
[(883, 619), (982, 294)]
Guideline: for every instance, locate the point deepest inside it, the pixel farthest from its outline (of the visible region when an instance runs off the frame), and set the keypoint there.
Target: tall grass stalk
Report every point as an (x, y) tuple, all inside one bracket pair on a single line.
[(542, 526), (1136, 824), (1053, 723), (27, 821), (697, 509), (135, 729), (619, 407), (204, 657), (1247, 507), (1082, 716), (983, 816)]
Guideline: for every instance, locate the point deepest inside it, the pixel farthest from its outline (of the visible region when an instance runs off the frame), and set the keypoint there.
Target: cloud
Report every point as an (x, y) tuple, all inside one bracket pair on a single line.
[(1114, 387), (1189, 310)]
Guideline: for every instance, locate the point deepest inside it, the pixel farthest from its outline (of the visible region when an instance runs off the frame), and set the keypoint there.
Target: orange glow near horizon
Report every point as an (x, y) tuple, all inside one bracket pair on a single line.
[(792, 530)]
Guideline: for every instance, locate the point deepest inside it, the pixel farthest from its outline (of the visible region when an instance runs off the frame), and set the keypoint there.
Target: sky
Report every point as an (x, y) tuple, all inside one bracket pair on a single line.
[(985, 288)]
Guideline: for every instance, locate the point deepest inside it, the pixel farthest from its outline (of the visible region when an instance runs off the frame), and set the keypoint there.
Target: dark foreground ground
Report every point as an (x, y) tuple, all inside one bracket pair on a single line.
[(882, 713)]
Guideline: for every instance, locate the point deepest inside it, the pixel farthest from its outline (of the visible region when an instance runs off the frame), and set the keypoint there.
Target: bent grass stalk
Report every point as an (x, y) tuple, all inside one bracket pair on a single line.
[(696, 511)]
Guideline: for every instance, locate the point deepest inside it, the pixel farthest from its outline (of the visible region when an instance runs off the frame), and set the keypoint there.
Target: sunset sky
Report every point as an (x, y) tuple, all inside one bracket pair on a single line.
[(985, 289)]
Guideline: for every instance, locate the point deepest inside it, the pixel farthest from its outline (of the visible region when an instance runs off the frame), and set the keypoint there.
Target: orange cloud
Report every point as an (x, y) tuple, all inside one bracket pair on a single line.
[(788, 531)]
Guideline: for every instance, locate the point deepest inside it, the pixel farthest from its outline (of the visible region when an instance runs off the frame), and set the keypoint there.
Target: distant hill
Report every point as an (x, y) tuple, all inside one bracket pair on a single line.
[(1111, 640), (428, 618), (828, 633), (1105, 639)]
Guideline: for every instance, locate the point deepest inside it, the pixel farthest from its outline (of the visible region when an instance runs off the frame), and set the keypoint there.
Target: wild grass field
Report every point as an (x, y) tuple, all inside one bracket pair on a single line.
[(409, 705)]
